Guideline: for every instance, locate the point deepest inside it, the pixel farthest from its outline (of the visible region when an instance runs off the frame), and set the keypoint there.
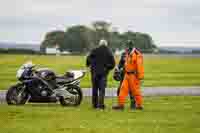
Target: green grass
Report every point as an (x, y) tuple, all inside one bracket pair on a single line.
[(161, 115), (159, 70)]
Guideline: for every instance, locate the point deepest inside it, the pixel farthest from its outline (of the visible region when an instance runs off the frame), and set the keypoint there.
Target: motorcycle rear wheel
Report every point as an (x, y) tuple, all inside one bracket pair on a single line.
[(76, 91)]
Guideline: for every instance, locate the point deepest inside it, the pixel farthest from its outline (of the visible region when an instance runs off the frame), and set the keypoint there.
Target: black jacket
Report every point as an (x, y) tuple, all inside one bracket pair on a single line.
[(101, 60)]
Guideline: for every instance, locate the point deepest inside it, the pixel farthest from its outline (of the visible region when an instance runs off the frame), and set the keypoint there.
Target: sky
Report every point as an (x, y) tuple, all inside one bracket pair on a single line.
[(169, 22)]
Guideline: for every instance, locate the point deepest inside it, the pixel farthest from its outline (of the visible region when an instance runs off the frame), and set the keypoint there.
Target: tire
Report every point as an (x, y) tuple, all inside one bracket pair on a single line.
[(75, 90), (12, 93)]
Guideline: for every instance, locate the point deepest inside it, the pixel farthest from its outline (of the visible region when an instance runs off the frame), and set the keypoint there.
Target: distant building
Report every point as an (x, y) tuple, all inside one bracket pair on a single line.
[(55, 50), (65, 53), (52, 50)]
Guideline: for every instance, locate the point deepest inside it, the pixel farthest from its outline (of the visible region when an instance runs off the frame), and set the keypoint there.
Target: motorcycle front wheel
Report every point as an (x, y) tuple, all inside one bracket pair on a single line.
[(16, 95), (77, 94)]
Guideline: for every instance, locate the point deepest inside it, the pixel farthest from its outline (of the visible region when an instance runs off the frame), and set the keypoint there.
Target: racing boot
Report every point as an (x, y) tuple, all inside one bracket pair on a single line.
[(139, 108), (132, 104), (118, 107)]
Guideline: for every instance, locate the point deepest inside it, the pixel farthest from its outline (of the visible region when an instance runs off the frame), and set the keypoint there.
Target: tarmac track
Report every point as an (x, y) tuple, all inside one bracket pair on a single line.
[(147, 91)]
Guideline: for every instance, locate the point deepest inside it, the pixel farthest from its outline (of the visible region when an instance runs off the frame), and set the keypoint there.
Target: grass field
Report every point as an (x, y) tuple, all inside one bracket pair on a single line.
[(159, 70), (161, 115)]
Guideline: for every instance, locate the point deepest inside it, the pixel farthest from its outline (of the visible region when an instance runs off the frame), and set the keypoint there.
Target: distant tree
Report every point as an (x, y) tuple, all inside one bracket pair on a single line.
[(101, 25), (81, 39), (116, 41), (142, 41), (101, 30), (195, 51), (78, 38), (52, 39)]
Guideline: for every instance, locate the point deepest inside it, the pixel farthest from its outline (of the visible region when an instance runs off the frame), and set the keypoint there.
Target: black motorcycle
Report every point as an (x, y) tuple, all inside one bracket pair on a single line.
[(44, 86)]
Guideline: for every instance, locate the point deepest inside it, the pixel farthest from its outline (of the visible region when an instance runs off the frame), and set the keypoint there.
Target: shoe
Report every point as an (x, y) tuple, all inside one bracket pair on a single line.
[(139, 108), (101, 107), (94, 106), (118, 107), (132, 106)]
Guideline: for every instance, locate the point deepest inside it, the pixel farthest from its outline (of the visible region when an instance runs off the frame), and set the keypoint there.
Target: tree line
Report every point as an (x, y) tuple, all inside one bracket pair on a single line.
[(81, 38)]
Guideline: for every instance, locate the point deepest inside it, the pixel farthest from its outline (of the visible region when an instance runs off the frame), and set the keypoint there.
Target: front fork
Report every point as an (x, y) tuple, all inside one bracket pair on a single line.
[(20, 92)]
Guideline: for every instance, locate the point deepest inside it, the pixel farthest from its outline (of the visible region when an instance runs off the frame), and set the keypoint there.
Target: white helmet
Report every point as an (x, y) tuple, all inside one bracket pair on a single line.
[(103, 42), (28, 64)]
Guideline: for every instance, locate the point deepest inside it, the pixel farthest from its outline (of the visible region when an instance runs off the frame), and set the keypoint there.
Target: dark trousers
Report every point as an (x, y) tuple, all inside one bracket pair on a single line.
[(132, 100), (98, 89)]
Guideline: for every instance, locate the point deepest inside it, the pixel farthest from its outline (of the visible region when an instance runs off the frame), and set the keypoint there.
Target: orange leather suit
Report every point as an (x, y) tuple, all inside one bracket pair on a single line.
[(134, 72)]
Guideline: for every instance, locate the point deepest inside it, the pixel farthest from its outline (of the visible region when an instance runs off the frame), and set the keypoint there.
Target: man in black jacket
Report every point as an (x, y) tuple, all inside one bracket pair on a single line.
[(101, 61)]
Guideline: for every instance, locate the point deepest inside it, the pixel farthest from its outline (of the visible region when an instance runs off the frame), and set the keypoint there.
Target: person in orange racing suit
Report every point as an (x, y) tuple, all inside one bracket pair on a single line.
[(134, 73), (118, 75)]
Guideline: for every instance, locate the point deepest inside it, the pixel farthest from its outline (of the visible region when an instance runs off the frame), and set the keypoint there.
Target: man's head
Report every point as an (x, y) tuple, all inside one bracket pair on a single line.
[(103, 42), (130, 44)]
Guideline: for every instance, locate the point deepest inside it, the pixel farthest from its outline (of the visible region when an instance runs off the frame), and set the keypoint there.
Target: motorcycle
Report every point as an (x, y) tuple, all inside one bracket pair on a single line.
[(44, 86)]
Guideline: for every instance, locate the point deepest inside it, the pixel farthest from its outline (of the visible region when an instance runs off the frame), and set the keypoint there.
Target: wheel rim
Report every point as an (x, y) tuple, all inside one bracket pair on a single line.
[(75, 99)]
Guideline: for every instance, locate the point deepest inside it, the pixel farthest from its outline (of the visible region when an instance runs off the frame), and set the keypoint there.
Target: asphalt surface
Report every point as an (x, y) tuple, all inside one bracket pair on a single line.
[(147, 91)]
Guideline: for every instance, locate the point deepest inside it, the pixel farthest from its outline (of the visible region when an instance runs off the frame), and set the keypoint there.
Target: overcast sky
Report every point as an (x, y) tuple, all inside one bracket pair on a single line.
[(169, 22)]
